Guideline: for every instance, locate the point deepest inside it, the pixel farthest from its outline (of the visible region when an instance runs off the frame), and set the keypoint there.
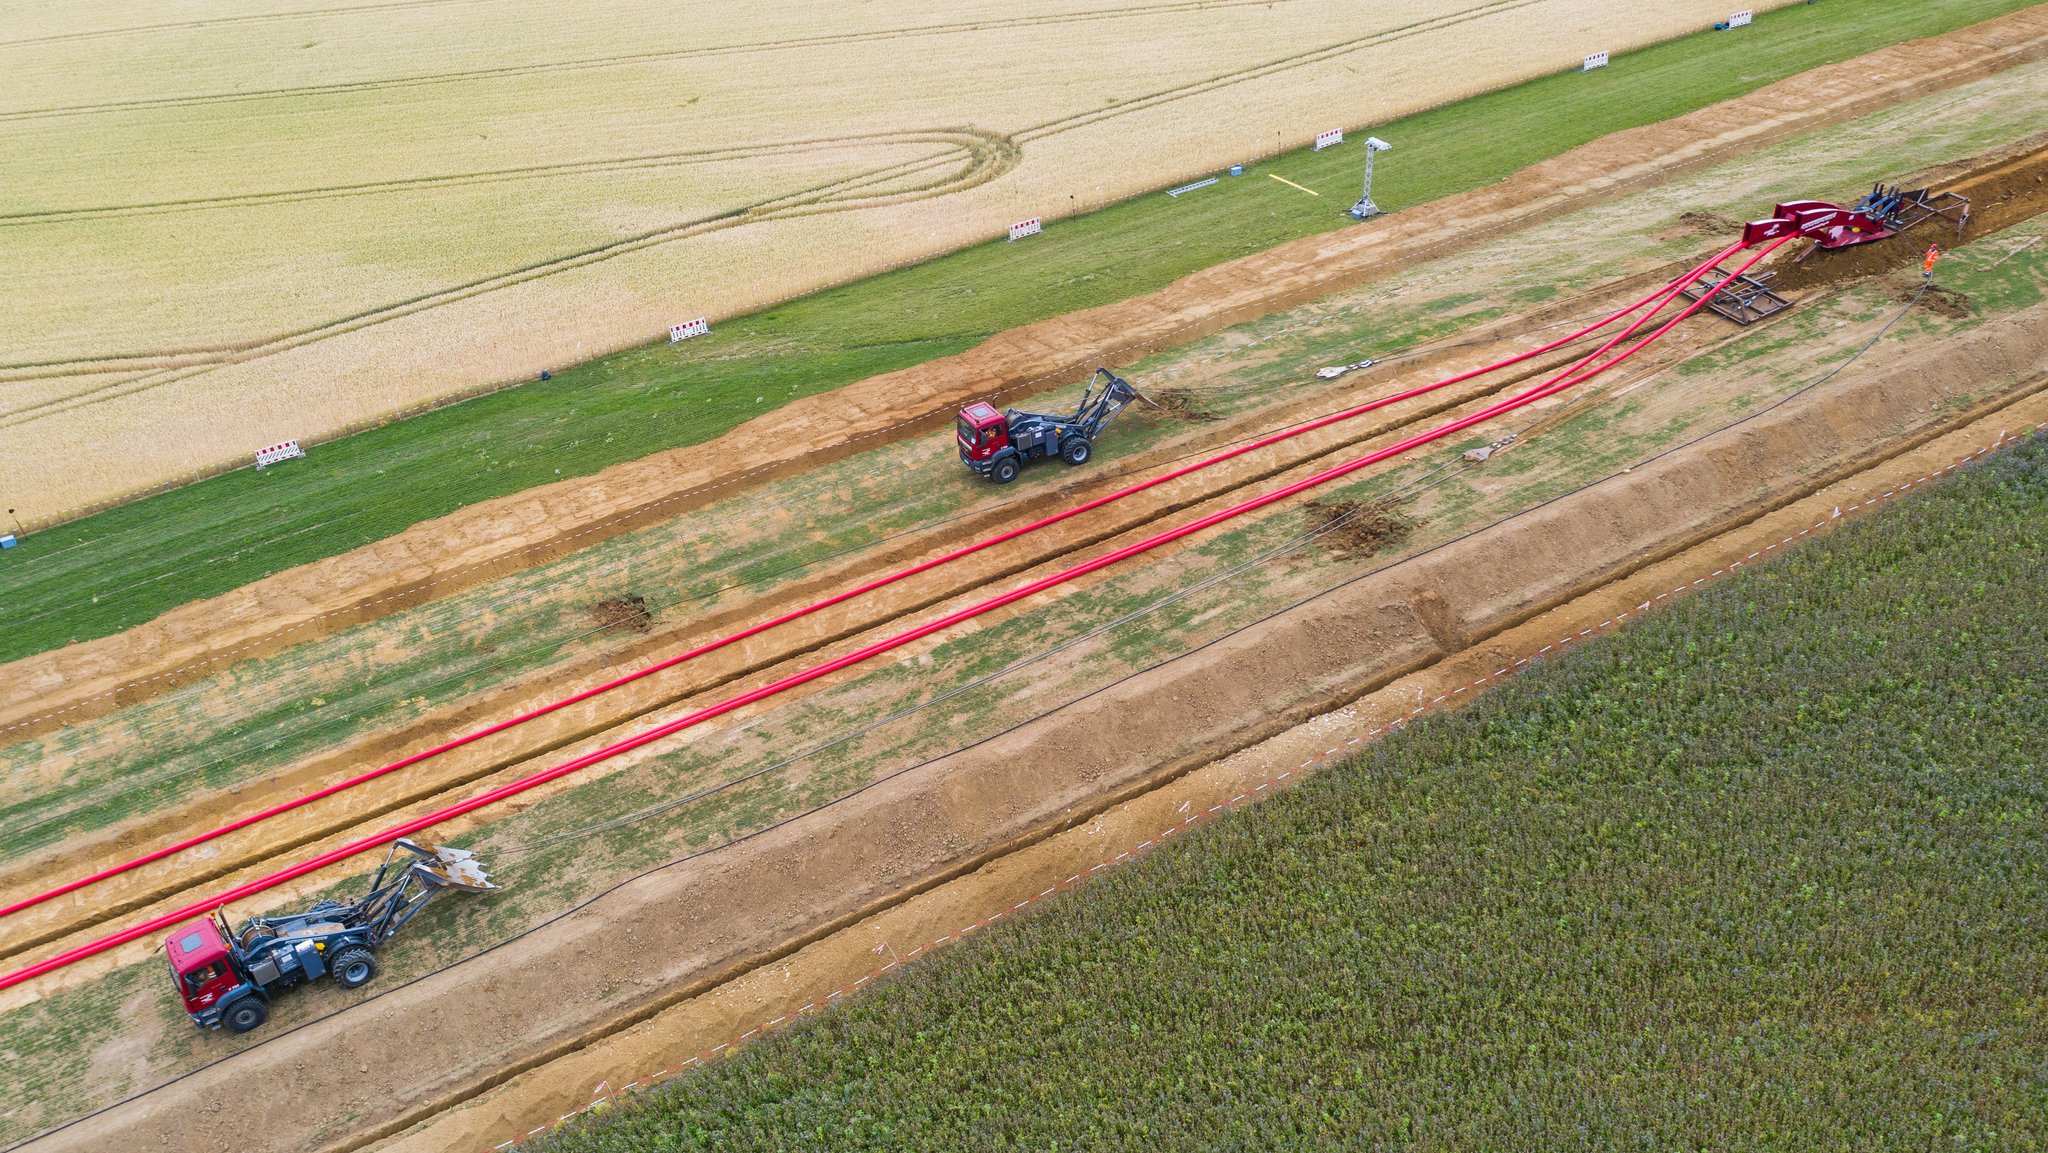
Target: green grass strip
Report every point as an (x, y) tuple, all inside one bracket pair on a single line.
[(1764, 871), (116, 569)]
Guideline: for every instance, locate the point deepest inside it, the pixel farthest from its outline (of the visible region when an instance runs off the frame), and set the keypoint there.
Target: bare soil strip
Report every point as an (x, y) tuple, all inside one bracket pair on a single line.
[(501, 536), (400, 1057)]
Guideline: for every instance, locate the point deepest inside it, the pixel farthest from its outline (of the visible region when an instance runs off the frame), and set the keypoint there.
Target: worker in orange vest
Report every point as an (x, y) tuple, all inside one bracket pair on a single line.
[(1927, 265)]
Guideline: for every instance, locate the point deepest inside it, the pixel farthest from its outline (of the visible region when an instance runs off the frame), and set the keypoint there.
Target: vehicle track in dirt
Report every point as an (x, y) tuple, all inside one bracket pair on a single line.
[(448, 1037), (477, 544)]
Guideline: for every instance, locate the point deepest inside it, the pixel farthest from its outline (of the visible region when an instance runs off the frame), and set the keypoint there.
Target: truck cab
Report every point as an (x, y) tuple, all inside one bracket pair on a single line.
[(983, 433), (211, 984)]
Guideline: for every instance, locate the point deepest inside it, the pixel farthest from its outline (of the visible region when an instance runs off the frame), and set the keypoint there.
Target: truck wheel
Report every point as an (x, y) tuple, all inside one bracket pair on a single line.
[(245, 1014), (353, 967), (1005, 470), (1078, 450)]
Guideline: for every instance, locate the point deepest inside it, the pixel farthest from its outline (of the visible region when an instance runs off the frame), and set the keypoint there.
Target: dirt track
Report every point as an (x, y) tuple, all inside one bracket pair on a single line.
[(400, 1056), (496, 537)]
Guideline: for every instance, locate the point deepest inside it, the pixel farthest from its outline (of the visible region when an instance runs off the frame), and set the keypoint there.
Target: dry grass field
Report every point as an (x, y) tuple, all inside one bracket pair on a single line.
[(222, 226)]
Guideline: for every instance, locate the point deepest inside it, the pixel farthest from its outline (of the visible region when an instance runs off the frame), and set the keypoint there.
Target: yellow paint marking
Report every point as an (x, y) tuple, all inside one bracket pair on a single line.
[(1292, 184)]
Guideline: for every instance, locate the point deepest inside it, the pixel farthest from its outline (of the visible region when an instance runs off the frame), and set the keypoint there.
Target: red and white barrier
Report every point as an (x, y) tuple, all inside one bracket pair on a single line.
[(697, 327), (272, 454), (1330, 139), (1741, 18), (1596, 60), (1024, 228)]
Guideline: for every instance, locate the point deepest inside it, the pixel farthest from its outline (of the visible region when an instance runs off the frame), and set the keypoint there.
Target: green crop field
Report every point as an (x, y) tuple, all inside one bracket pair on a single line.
[(119, 568), (1766, 870)]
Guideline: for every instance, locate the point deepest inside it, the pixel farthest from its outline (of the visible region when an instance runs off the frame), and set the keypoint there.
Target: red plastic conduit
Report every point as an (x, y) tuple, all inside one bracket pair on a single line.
[(838, 598), (377, 840)]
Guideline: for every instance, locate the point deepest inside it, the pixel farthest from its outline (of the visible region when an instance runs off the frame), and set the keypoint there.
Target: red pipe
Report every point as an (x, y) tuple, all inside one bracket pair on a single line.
[(838, 598), (406, 828)]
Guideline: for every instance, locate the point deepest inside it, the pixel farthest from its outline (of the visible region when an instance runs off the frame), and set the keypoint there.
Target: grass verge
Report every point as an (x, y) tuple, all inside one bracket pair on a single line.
[(1766, 870), (116, 569)]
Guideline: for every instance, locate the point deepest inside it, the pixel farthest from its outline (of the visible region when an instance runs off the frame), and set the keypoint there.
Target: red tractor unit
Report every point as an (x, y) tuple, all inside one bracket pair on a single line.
[(227, 979), (998, 444)]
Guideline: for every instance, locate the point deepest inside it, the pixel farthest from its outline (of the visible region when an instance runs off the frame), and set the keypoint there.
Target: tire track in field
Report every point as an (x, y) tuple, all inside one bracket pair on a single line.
[(646, 162), (342, 88), (1270, 68), (971, 158), (158, 369), (221, 21)]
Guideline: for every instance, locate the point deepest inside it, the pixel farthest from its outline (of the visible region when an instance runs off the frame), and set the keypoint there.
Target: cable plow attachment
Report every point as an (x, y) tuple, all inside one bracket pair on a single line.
[(836, 599), (1578, 373)]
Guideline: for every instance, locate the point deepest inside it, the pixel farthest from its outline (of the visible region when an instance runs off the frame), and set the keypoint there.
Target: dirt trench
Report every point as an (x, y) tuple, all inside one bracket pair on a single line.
[(2003, 188), (401, 1056), (497, 537)]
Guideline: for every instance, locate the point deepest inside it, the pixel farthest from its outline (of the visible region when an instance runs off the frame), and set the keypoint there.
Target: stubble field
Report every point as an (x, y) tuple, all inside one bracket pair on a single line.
[(222, 227)]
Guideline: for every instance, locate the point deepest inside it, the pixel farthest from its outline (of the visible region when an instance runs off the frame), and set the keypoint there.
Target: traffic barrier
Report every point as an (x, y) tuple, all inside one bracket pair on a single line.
[(1191, 187), (697, 327), (1741, 18), (277, 452), (1596, 60), (1024, 228), (1330, 139)]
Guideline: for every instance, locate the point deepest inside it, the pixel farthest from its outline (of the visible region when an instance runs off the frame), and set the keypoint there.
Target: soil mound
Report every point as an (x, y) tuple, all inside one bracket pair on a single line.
[(623, 614), (1351, 528)]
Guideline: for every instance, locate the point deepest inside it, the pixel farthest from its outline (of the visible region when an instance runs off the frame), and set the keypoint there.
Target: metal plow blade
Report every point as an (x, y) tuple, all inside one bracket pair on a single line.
[(452, 868)]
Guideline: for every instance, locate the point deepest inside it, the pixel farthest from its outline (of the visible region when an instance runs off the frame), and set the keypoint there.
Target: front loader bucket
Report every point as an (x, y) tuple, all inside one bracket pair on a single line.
[(450, 868)]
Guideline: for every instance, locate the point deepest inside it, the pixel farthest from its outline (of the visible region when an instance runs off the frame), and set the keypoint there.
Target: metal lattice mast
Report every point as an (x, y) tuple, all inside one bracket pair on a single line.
[(1365, 207)]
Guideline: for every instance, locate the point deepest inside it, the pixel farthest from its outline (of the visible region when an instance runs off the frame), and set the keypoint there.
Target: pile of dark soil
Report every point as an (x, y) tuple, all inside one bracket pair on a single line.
[(1358, 528), (1182, 404), (1711, 225), (1942, 301), (623, 614)]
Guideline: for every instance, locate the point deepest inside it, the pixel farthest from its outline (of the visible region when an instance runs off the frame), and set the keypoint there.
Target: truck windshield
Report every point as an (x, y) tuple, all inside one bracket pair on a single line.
[(197, 978), (969, 433)]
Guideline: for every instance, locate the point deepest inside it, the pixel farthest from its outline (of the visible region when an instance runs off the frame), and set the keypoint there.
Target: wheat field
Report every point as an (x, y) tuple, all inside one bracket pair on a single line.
[(222, 225)]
